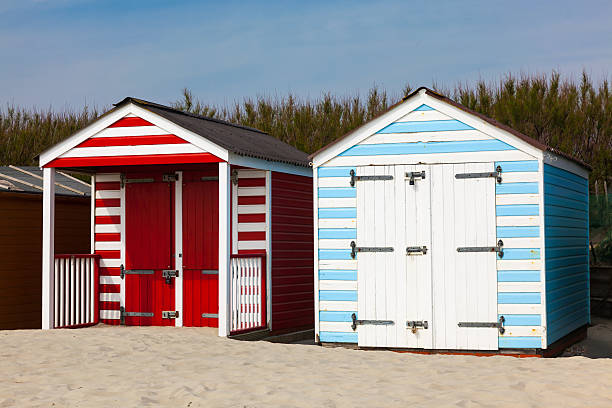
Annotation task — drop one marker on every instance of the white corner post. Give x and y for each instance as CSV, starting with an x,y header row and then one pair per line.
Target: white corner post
x,y
48,248
224,248
178,248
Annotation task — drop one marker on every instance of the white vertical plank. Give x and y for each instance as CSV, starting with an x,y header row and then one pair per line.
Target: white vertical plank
x,y
178,248
48,248
61,291
224,247
55,297
450,316
492,341
77,291
543,316
92,298
379,268
268,271
461,280
92,217
234,212
400,259
71,290
315,209
390,271
88,292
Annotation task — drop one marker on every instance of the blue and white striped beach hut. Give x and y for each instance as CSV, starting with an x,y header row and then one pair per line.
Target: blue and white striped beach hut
x,y
437,228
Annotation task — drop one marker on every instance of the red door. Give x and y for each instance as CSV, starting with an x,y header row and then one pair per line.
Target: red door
x,y
201,248
149,248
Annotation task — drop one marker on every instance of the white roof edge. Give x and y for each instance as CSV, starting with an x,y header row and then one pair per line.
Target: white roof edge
x,y
272,165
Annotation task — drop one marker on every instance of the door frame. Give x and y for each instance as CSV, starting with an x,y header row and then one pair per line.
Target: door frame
x,y
178,247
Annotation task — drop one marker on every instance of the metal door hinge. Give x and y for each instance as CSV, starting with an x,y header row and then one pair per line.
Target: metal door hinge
x,y
123,314
413,175
355,177
210,272
123,272
355,249
497,174
494,325
124,180
414,325
210,315
169,177
499,249
209,178
373,322
414,249
170,314
234,176
168,274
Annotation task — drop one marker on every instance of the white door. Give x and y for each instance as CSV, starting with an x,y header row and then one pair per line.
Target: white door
x,y
464,283
393,287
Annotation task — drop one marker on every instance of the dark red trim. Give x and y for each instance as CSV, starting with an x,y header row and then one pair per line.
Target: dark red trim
x,y
110,271
252,236
251,218
252,182
77,256
107,236
131,122
108,219
132,141
108,202
251,200
109,254
108,185
134,160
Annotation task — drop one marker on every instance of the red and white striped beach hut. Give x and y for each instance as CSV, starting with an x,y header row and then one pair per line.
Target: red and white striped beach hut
x,y
195,222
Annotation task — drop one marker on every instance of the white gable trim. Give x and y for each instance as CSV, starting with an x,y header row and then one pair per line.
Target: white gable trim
x,y
131,109
368,130
62,147
408,106
483,126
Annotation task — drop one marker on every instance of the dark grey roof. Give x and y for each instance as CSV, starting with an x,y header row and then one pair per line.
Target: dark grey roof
x,y
11,179
241,140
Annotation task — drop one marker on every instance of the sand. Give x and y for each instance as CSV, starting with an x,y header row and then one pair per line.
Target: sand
x,y
191,367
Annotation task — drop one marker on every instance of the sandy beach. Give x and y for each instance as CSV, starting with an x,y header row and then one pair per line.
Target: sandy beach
x,y
191,367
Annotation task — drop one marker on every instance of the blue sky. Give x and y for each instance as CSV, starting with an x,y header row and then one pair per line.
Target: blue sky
x,y
65,53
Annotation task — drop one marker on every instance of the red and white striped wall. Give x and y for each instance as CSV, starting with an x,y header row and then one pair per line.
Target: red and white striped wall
x,y
132,140
249,211
107,243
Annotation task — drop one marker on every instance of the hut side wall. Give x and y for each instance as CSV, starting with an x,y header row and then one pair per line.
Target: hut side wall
x,y
292,252
431,137
21,251
567,251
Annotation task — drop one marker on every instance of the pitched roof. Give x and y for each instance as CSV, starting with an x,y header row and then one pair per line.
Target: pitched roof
x,y
28,179
241,140
492,122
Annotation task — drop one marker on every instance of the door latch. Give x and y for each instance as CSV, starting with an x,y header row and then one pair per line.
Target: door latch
x,y
168,274
170,177
414,325
412,175
170,314
416,249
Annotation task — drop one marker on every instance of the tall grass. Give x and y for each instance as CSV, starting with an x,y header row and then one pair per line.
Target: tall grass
x,y
24,133
573,116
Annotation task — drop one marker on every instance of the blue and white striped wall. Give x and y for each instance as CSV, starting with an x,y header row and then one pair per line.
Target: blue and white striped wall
x,y
428,136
